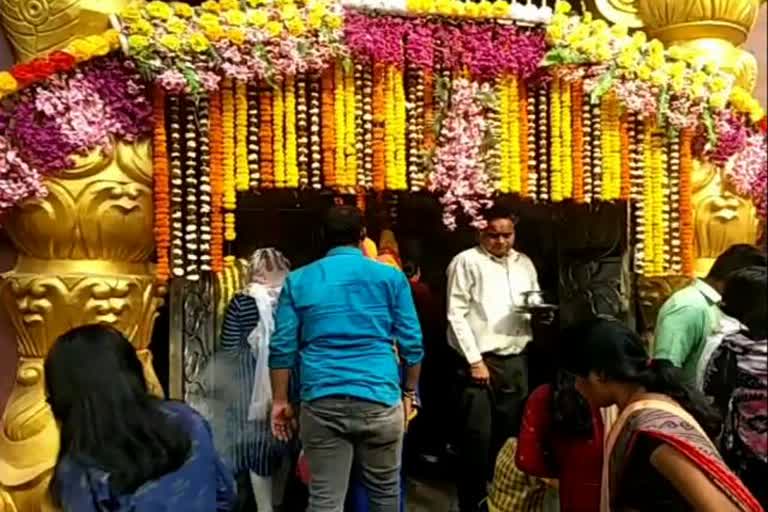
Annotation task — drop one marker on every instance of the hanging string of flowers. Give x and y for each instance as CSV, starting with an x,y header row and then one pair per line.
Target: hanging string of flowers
x,y
379,127
191,207
217,182
673,206
242,166
350,129
291,163
556,142
566,139
328,128
228,159
254,171
686,208
302,132
315,147
266,138
177,176
278,137
161,189
204,236
577,140
527,147
339,129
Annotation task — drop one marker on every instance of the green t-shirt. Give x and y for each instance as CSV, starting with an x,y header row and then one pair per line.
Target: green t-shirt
x,y
685,321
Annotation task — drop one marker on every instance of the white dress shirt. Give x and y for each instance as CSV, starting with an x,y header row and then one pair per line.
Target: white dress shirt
x,y
484,293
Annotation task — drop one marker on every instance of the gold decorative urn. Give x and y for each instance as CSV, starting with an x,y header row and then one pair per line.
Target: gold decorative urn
x,y
84,257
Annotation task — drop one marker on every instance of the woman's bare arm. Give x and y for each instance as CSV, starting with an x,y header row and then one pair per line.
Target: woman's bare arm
x,y
697,489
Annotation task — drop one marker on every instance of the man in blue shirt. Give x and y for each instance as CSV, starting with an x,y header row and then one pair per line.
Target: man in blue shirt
x,y
348,322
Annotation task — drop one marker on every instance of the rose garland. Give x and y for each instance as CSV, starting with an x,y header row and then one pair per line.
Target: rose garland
x,y
254,172
577,140
161,188
217,182
291,162
242,167
328,128
266,136
177,182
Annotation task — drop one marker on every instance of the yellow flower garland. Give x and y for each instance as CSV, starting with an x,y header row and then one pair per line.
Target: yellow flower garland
x,y
654,199
647,202
278,137
505,149
401,180
242,174
611,146
228,158
291,165
350,119
389,138
566,139
515,158
338,117
556,147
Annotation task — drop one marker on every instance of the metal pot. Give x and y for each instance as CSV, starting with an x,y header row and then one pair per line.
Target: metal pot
x,y
533,298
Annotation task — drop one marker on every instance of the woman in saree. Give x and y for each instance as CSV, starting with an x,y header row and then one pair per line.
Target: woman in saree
x,y
658,455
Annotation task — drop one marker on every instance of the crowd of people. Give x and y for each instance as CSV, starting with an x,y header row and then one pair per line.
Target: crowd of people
x,y
324,379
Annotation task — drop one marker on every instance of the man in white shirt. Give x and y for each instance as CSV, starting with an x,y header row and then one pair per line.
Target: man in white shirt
x,y
489,332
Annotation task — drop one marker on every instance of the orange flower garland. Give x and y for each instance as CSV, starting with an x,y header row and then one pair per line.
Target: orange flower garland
x,y
577,140
686,208
328,127
161,188
217,183
379,129
429,111
265,138
229,158
626,181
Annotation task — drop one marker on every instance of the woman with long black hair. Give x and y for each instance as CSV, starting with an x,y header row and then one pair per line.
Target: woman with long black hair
x,y
121,448
658,455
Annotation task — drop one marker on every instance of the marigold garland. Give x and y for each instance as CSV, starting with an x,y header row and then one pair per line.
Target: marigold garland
x,y
610,147
328,128
429,111
242,170
266,137
291,164
379,127
527,148
228,154
417,129
278,137
161,188
626,185
686,209
350,126
577,140
217,183
556,148
513,130
566,139
505,184
177,179
339,115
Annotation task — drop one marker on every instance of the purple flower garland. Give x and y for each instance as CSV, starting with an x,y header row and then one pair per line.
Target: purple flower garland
x,y
70,114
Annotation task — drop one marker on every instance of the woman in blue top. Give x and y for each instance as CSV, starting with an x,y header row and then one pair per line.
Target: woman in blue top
x,y
121,448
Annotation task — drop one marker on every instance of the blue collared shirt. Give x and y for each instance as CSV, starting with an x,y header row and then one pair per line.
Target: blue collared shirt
x,y
340,319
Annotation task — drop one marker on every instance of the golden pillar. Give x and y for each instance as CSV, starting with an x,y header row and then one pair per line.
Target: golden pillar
x,y
84,257
713,30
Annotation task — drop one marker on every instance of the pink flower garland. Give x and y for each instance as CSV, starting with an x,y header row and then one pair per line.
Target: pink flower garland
x,y
749,174
459,174
18,181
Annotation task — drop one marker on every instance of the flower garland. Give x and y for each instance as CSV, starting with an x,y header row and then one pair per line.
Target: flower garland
x,y
610,144
749,172
302,132
204,238
505,172
500,9
492,139
542,136
79,51
672,208
328,128
291,163
315,147
415,128
177,176
266,138
513,127
217,182
598,162
193,190
242,167
589,144
279,153
527,145
161,189
577,140
229,158
350,129
254,123
400,182
637,137
190,49
567,140
379,127
339,130
556,149
626,185
686,208
459,176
